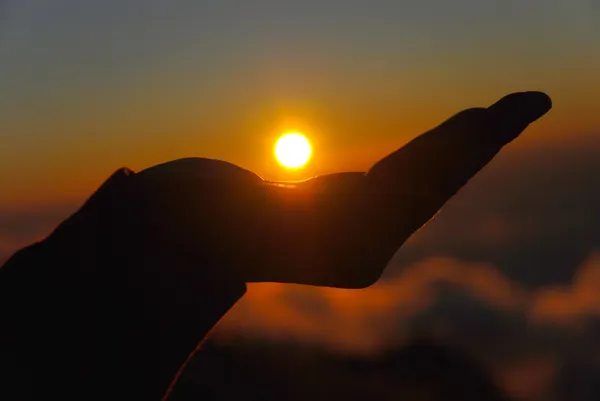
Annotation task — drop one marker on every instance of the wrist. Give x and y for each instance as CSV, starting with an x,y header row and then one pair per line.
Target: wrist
x,y
133,332
138,308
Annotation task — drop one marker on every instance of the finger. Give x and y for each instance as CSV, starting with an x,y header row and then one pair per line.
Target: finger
x,y
96,211
355,235
198,209
185,196
198,169
192,193
416,180
117,180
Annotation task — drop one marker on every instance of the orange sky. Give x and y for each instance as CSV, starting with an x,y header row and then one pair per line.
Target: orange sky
x,y
345,136
88,87
80,100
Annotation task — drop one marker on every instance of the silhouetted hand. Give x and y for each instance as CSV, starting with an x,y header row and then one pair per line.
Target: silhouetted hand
x,y
341,230
153,259
196,215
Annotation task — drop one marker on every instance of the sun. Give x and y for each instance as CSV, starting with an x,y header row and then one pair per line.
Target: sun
x,y
293,150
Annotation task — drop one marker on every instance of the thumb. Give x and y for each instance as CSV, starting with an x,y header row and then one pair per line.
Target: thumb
x,y
94,207
116,181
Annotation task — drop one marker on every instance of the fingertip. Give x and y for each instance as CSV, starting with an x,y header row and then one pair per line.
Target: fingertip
x,y
522,107
122,172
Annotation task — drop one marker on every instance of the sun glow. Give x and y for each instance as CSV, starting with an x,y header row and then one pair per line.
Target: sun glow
x,y
293,150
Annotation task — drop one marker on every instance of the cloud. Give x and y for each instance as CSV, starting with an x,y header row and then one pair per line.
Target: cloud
x,y
533,341
569,304
519,335
532,213
364,320
529,379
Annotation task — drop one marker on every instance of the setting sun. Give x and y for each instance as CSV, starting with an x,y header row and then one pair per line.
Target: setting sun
x,y
293,150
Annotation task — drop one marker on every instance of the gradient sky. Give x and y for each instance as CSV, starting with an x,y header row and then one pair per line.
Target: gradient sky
x,y
509,269
89,86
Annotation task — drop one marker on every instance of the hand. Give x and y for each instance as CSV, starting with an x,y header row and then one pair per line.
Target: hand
x,y
125,288
341,230
193,218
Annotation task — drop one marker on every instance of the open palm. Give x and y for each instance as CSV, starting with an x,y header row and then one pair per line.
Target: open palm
x,y
336,230
125,288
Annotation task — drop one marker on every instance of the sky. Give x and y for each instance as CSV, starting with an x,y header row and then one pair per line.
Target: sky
x,y
89,86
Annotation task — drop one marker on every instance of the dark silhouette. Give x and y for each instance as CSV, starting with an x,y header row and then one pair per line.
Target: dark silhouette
x,y
111,304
